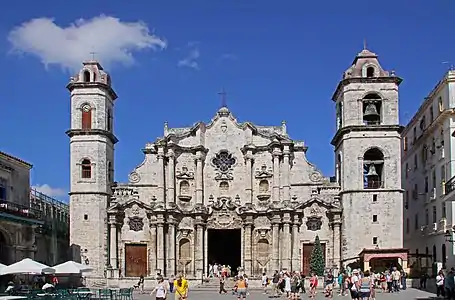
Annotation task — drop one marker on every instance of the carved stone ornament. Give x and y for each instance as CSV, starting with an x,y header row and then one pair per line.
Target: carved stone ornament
x,y
136,223
224,220
316,177
262,222
315,211
184,174
263,173
314,224
134,177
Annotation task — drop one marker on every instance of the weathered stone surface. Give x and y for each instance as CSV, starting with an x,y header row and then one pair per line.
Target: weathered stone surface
x,y
227,174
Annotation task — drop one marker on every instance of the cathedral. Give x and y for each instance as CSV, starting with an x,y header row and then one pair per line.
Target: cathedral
x,y
238,193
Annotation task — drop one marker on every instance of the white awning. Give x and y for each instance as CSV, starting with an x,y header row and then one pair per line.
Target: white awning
x,y
71,267
26,266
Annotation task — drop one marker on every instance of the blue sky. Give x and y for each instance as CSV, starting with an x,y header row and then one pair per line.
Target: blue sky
x,y
277,60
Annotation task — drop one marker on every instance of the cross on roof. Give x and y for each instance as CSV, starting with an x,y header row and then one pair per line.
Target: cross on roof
x,y
223,97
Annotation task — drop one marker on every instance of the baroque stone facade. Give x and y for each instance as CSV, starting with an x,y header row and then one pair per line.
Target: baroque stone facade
x,y
227,174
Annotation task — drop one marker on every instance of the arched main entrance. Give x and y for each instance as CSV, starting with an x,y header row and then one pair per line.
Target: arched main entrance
x,y
5,247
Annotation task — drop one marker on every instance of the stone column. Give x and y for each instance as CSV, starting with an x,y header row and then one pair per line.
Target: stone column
x,y
113,241
296,259
248,227
160,244
171,176
286,171
276,174
337,242
199,248
161,176
276,243
199,175
286,261
170,265
249,176
153,249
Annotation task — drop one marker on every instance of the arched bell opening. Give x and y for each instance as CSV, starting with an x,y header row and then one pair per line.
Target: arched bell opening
x,y
373,169
371,109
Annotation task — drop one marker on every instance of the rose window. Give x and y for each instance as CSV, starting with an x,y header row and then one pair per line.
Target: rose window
x,y
223,161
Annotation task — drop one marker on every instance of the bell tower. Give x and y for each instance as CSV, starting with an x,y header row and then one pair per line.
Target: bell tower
x,y
368,157
92,143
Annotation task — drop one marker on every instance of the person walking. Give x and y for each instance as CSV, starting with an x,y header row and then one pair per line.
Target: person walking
x,y
160,290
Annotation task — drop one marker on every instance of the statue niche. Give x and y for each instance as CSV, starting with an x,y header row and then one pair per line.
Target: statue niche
x,y
184,178
135,224
185,238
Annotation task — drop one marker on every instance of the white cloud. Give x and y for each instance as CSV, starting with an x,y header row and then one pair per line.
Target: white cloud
x,y
190,61
228,56
112,40
49,191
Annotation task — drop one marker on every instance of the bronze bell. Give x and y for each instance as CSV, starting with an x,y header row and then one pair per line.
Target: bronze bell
x,y
371,113
372,171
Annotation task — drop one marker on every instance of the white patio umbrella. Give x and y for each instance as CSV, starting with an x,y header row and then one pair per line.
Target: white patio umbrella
x,y
26,266
71,267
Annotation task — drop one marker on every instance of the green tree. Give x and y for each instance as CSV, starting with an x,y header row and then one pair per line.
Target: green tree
x,y
317,263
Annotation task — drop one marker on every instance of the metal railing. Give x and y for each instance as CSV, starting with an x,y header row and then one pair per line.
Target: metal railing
x,y
450,185
21,210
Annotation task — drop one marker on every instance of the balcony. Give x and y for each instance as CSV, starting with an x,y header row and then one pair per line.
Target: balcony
x,y
450,185
18,211
373,184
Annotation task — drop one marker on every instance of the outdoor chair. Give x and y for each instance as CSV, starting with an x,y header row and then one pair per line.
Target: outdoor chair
x,y
125,294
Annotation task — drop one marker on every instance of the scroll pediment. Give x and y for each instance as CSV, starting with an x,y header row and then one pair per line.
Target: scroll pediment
x,y
263,173
184,174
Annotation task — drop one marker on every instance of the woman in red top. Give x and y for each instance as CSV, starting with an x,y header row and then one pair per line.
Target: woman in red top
x,y
313,285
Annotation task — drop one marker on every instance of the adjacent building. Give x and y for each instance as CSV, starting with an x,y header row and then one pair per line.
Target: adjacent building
x,y
31,224
235,192
428,170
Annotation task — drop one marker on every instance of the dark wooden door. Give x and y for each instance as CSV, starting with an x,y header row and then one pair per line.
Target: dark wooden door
x,y
306,256
135,260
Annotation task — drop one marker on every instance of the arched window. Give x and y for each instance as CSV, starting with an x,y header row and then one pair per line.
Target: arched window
x,y
86,117
184,188
440,104
86,75
86,169
370,72
109,172
373,165
109,120
224,188
264,186
372,107
338,167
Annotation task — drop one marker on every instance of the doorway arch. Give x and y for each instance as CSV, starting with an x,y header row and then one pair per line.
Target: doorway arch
x,y
5,248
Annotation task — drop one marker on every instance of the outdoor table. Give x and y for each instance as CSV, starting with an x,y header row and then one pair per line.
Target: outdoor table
x,y
12,297
46,295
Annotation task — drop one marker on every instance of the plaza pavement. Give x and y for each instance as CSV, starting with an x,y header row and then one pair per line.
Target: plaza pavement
x,y
409,294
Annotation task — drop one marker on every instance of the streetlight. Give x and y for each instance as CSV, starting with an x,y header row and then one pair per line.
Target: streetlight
x,y
449,237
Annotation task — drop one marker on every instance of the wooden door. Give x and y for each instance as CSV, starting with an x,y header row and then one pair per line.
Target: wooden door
x,y
306,256
135,260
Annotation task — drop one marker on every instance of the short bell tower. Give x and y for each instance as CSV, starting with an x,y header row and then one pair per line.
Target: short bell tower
x,y
368,157
92,143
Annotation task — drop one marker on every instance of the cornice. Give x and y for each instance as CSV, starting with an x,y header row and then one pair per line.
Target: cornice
x,y
365,128
81,132
390,79
87,85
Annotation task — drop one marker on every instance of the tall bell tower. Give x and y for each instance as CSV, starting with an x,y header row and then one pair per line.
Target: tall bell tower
x,y
368,157
92,143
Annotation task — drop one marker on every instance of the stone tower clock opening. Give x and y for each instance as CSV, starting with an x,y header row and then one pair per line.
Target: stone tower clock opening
x,y
224,247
